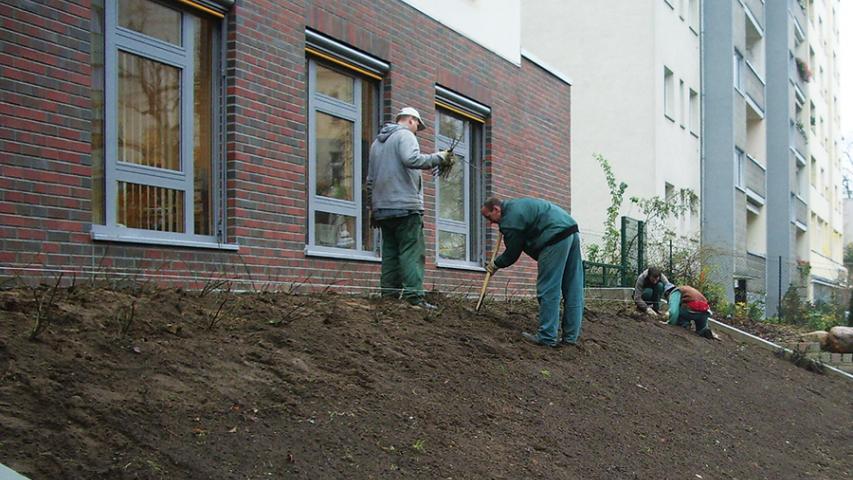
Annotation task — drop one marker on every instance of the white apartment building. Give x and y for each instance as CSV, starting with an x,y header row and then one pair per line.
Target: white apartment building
x,y
821,52
635,98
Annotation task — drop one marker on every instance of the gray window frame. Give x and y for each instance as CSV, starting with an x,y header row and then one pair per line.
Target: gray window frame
x,y
118,39
318,102
465,160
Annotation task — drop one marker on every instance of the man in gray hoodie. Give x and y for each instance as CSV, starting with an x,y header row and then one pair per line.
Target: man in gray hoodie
x,y
395,187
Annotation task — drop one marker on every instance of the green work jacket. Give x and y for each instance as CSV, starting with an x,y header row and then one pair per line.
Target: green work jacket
x,y
528,225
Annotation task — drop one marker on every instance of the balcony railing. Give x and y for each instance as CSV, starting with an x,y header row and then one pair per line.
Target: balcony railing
x,y
801,210
756,267
754,86
798,13
755,177
798,140
756,7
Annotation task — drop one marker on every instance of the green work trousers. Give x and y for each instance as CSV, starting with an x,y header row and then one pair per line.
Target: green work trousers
x,y
683,317
403,255
560,277
652,295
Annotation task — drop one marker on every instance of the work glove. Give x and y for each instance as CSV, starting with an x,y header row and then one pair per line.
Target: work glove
x,y
445,165
491,267
651,312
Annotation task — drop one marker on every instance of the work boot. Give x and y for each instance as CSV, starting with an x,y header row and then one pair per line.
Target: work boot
x,y
706,333
423,304
534,339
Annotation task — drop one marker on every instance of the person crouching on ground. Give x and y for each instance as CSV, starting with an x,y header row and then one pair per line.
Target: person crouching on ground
x,y
687,305
549,235
648,291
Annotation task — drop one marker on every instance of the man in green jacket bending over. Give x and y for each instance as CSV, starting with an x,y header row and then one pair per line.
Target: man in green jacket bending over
x,y
550,236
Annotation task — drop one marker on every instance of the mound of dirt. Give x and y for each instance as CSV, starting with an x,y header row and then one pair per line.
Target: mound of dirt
x,y
166,384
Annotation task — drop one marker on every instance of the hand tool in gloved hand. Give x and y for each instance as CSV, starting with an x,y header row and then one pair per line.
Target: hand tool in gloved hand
x,y
488,274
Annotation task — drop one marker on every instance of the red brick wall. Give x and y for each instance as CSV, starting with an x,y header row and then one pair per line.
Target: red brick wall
x,y
45,181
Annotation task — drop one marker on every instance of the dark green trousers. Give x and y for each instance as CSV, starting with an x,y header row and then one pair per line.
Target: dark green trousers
x,y
652,296
403,256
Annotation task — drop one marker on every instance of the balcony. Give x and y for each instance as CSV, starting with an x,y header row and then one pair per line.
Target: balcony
x,y
798,140
756,267
800,212
798,13
754,88
756,180
756,10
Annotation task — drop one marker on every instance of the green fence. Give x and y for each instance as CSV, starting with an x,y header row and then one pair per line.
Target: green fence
x,y
632,249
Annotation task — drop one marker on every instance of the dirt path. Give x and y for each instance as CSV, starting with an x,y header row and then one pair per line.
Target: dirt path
x,y
333,387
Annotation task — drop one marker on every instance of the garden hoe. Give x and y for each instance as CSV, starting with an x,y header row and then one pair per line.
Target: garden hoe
x,y
489,275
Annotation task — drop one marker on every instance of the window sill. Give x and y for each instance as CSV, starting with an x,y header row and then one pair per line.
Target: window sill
x,y
669,118
473,267
132,235
340,254
694,133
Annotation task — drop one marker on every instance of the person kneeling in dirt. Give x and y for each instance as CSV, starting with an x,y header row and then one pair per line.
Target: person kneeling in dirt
x,y
549,235
686,305
648,291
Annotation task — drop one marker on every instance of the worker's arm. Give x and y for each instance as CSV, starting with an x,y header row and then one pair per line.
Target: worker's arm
x,y
674,307
514,242
410,153
638,293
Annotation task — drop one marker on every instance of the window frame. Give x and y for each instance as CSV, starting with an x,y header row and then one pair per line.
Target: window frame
x,y
470,225
474,116
318,102
668,91
119,39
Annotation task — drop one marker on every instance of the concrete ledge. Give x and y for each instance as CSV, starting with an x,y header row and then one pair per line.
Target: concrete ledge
x,y
617,293
750,338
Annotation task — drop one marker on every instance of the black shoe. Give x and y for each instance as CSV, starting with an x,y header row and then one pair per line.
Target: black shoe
x,y
706,333
568,342
534,339
423,304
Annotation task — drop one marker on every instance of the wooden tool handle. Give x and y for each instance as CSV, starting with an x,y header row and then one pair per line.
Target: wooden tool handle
x,y
488,274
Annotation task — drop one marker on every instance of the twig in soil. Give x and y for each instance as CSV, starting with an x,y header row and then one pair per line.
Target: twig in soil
x,y
210,285
215,317
42,311
296,286
125,319
248,272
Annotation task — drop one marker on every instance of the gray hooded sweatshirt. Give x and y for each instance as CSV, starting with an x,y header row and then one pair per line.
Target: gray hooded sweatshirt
x,y
394,177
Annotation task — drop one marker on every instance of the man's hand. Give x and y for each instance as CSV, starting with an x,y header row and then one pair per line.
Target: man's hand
x,y
491,267
445,165
651,312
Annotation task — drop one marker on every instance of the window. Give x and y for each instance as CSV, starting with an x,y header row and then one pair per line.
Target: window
x,y
813,173
682,107
694,16
694,112
738,71
343,112
668,94
343,120
739,157
459,230
157,103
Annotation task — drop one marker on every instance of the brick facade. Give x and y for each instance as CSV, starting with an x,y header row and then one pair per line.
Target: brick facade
x,y
45,138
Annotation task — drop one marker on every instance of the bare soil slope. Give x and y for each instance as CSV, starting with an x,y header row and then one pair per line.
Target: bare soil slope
x,y
327,387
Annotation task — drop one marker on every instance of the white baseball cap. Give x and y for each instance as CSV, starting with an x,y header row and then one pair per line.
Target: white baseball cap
x,y
412,113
